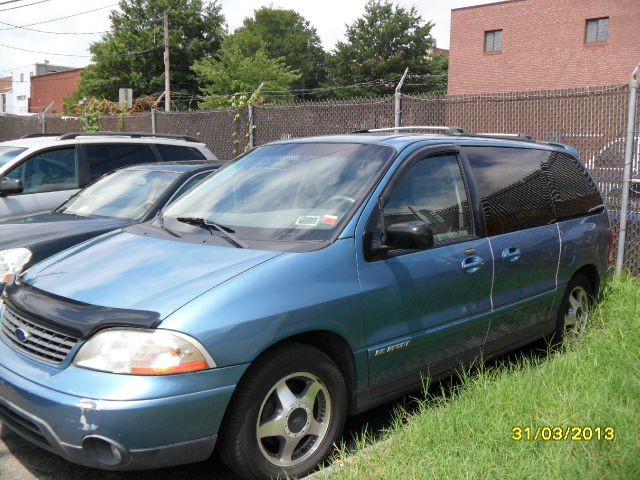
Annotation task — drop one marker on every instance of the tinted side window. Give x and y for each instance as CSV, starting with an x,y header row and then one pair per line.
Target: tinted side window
x,y
106,157
48,171
514,185
432,191
576,192
175,153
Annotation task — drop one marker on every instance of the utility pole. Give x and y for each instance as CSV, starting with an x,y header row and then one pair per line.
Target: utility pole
x,y
167,81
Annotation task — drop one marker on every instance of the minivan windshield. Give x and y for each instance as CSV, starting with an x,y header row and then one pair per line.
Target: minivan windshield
x,y
286,192
9,153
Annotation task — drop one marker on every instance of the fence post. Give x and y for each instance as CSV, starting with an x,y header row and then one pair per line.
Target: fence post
x,y
251,124
254,95
398,101
153,121
43,117
628,154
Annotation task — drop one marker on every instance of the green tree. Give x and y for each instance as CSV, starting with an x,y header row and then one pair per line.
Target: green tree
x,y
380,45
287,34
234,72
131,54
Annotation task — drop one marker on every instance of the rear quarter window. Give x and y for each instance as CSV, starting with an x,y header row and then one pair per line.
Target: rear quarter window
x,y
576,193
176,153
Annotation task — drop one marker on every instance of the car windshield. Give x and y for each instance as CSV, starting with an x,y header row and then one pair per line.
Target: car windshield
x,y
128,193
9,153
286,192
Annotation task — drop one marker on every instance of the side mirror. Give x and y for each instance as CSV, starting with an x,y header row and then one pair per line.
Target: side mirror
x,y
10,187
415,235
410,235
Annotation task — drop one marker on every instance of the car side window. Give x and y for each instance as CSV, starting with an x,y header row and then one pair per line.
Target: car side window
x,y
48,171
176,153
103,158
433,191
515,187
576,193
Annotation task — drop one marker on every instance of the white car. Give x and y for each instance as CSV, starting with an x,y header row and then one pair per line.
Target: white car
x,y
608,164
37,173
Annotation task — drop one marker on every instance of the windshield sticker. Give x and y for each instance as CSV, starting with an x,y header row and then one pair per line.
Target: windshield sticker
x,y
307,220
329,220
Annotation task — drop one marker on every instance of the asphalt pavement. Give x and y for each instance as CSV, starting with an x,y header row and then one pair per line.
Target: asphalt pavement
x,y
21,460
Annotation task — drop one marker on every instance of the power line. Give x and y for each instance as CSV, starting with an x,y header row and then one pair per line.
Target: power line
x,y
10,1
60,18
22,6
49,31
45,53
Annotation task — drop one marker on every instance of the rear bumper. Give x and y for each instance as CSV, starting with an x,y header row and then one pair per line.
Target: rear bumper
x,y
114,435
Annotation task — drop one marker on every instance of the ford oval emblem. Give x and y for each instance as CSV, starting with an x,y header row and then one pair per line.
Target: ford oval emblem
x,y
22,335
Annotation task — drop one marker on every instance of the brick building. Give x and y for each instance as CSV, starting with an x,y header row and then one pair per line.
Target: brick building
x,y
522,45
52,87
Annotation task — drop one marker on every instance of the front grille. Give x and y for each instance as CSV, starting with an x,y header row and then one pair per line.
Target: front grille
x,y
36,340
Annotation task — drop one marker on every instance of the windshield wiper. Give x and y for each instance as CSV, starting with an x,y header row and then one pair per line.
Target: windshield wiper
x,y
160,219
227,233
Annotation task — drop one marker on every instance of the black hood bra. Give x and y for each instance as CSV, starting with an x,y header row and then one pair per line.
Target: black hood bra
x,y
76,318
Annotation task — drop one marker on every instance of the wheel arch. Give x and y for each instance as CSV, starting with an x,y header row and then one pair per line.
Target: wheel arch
x,y
334,346
591,272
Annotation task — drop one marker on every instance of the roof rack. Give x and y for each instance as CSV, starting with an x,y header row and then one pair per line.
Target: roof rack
x,y
511,136
36,135
71,136
439,128
452,130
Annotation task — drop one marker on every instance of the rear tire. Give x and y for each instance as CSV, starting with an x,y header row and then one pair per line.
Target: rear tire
x,y
285,415
573,313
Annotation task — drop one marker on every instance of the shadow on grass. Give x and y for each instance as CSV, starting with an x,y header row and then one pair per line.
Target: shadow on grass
x,y
373,425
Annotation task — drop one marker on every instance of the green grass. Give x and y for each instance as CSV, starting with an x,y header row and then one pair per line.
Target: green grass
x,y
466,433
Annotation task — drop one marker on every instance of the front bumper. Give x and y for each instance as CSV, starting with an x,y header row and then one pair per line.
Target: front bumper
x,y
113,434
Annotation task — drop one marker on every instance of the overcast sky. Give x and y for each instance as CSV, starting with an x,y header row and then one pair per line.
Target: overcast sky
x,y
327,16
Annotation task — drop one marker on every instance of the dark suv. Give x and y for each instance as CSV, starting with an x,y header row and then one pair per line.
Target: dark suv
x,y
307,280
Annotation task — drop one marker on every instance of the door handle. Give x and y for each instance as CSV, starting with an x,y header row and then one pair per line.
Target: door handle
x,y
472,264
511,254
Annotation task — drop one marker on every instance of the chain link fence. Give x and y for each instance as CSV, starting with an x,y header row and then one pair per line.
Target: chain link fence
x,y
593,120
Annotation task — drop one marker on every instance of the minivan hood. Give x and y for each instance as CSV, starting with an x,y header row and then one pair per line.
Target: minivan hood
x,y
129,271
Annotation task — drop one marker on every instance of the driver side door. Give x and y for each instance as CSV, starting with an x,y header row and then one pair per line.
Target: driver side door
x,y
425,311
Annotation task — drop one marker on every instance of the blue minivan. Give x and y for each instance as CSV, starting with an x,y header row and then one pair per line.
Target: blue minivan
x,y
307,280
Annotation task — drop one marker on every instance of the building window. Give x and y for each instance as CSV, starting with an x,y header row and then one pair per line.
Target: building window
x,y
21,97
22,77
597,30
493,41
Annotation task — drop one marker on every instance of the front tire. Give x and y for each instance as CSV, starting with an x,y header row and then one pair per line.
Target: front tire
x,y
286,414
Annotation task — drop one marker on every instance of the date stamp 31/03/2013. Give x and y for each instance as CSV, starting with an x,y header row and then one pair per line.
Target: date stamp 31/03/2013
x,y
570,433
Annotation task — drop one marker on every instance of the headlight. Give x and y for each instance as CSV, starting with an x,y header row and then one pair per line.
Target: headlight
x,y
143,352
12,261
